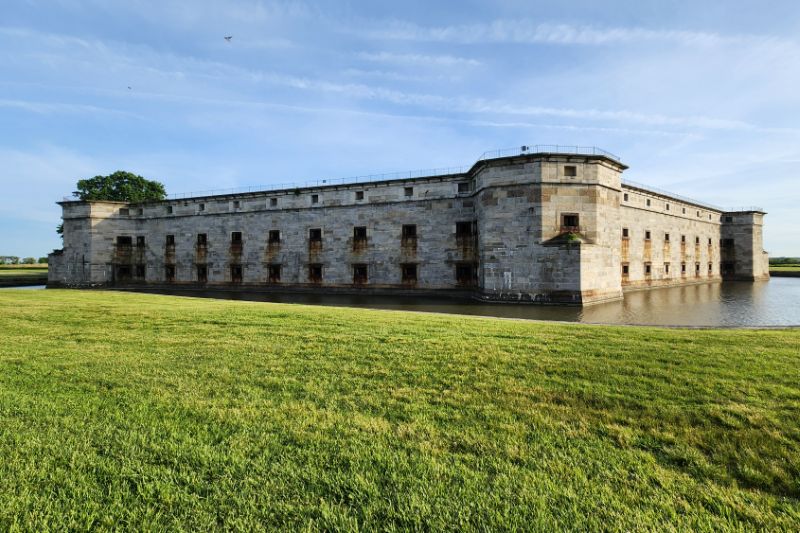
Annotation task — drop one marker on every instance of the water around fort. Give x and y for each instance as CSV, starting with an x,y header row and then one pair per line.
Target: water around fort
x,y
767,303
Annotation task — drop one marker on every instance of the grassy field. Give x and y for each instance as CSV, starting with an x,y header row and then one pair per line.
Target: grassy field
x,y
156,412
784,268
22,271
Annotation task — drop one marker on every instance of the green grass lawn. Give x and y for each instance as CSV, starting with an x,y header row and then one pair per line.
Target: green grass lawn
x,y
6,272
785,268
161,413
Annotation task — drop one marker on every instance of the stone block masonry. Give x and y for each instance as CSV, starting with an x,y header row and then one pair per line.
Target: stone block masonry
x,y
540,227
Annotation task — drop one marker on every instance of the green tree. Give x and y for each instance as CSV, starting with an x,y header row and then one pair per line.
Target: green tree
x,y
121,186
43,260
29,261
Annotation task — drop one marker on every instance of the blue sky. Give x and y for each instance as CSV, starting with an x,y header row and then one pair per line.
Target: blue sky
x,y
699,98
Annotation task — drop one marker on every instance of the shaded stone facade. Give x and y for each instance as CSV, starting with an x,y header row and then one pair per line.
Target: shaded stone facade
x,y
535,227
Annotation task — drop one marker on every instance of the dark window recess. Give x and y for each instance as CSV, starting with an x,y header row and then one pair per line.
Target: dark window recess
x,y
625,233
274,273
202,273
570,171
647,235
409,231
408,191
683,268
408,273
124,211
684,211
648,202
710,267
202,239
666,237
236,273
647,269
140,211
140,241
466,274
666,268
683,239
697,268
667,206
273,202
464,187
124,242
140,271
625,269
236,237
625,197
570,222
697,240
698,213
464,229
315,198
728,219
274,236
709,241
359,195
315,235
360,234
236,204
201,207
169,209
123,273
170,240
359,273
315,273
169,272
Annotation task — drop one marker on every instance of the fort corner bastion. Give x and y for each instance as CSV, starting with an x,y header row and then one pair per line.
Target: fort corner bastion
x,y
534,224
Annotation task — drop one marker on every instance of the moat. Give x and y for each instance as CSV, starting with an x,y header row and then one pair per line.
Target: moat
x,y
767,303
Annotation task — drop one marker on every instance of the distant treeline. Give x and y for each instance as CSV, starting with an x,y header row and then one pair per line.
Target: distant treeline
x,y
784,260
14,260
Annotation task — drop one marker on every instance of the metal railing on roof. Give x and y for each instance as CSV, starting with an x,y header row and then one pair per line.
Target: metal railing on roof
x,y
371,178
547,149
686,199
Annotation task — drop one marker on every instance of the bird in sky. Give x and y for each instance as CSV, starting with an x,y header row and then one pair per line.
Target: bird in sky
x,y
228,38
129,87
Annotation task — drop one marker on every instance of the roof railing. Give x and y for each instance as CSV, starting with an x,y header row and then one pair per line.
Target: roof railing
x,y
686,199
547,149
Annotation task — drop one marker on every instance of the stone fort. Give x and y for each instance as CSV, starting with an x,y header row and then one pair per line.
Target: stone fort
x,y
533,224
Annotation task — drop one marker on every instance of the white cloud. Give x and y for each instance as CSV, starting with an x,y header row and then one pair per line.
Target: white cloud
x,y
419,59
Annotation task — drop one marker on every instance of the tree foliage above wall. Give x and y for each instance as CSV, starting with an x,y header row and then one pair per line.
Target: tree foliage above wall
x,y
121,186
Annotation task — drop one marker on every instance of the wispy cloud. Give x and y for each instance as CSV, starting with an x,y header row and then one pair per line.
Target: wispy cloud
x,y
419,59
527,31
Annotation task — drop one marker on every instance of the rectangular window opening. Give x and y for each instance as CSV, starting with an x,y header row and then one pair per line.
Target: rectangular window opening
x,y
201,207
315,235
464,187
359,274
625,269
236,237
140,241
202,239
570,171
408,273
570,222
359,195
124,242
625,233
464,229
648,202
274,273
170,240
140,271
360,233
169,273
647,235
408,191
202,273
466,274
236,273
666,237
273,202
169,209
124,211
315,198
315,273
274,236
